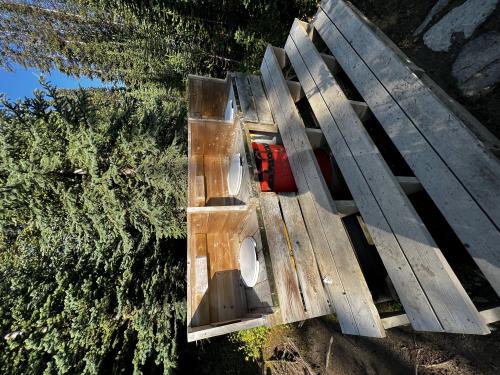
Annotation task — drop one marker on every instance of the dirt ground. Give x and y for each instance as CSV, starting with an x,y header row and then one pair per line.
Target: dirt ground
x,y
403,351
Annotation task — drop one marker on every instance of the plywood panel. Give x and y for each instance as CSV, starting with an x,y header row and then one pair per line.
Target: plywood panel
x,y
216,169
195,169
210,137
199,281
225,298
207,97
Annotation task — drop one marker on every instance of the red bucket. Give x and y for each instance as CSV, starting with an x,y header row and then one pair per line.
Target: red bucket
x,y
274,169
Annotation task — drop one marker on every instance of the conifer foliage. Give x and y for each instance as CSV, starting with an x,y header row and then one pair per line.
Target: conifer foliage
x,y
92,197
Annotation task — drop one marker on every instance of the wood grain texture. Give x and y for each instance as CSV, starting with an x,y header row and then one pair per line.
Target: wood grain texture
x,y
204,332
462,212
245,96
211,138
262,106
477,169
200,304
428,288
290,301
349,293
311,285
207,97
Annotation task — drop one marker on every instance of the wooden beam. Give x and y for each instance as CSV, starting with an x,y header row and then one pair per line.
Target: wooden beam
x,y
461,211
477,169
490,316
244,94
266,128
428,288
290,301
336,260
207,331
311,285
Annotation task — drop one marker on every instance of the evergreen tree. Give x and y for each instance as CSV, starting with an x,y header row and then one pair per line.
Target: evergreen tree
x,y
82,40
92,197
137,42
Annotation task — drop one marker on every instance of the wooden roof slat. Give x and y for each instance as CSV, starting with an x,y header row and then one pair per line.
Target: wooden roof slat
x,y
315,297
432,295
348,281
462,212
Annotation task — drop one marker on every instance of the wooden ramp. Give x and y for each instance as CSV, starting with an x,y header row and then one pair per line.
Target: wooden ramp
x,y
329,248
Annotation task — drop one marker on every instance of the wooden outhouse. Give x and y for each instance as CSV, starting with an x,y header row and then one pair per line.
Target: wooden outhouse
x,y
410,209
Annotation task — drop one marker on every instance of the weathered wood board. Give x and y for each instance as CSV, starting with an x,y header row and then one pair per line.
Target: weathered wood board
x,y
431,293
466,217
351,297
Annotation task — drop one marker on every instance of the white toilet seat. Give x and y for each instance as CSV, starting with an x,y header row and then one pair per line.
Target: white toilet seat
x,y
249,264
234,175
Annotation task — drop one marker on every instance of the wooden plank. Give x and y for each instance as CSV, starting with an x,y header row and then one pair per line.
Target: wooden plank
x,y
212,280
315,298
197,145
346,207
336,259
227,284
291,307
261,104
428,288
489,316
216,180
266,128
195,169
199,191
239,289
200,304
315,137
211,137
217,222
246,102
410,185
361,109
195,87
467,219
198,222
477,169
204,332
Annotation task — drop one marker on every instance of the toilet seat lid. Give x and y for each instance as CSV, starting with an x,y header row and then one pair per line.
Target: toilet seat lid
x,y
249,265
234,175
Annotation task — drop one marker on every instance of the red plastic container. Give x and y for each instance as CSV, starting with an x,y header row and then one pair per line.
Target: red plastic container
x,y
276,174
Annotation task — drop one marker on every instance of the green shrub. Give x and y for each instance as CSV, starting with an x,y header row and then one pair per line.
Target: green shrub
x,y
251,341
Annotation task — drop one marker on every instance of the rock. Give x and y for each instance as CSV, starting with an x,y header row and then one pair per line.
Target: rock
x,y
438,7
463,19
477,67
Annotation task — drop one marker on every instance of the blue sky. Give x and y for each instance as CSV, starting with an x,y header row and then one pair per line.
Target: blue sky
x,y
22,82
